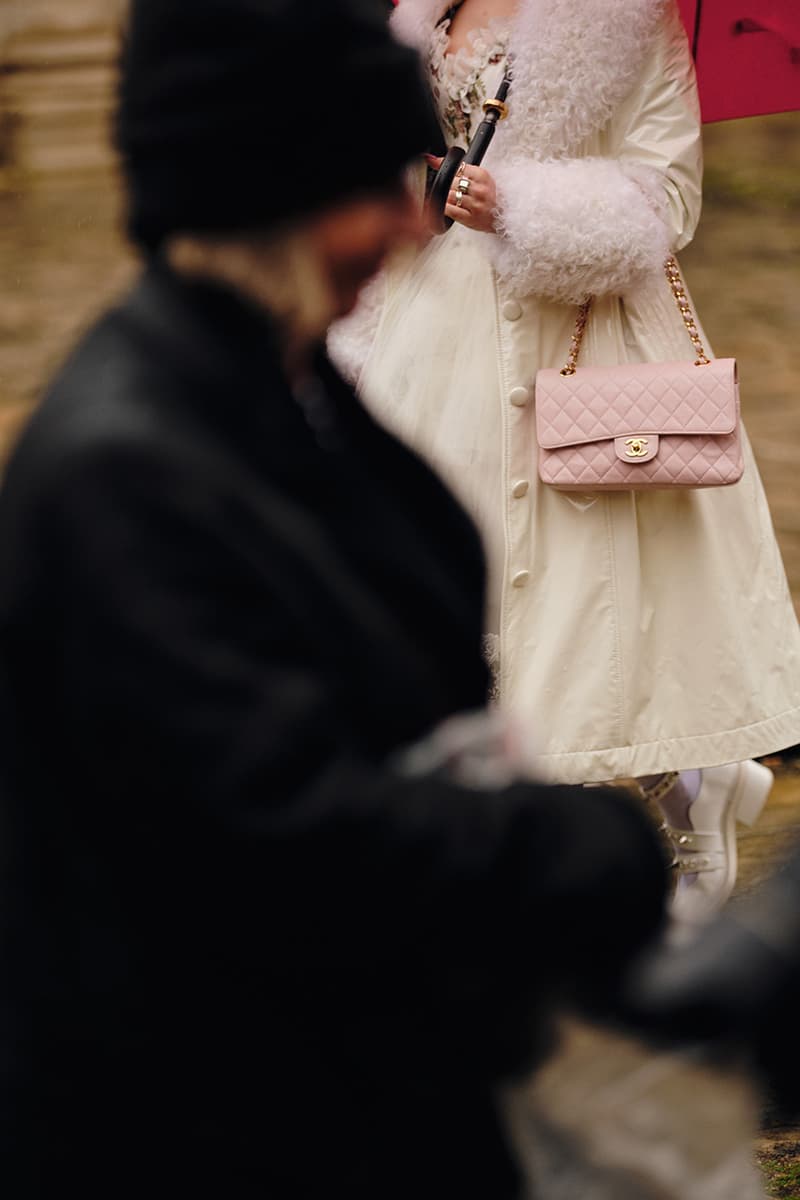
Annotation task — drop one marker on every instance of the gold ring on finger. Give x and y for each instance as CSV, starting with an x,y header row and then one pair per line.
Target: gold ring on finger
x,y
459,199
460,170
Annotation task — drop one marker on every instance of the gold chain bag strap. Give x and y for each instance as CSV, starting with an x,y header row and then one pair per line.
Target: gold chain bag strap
x,y
640,425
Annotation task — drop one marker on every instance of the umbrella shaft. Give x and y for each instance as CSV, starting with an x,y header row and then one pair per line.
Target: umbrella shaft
x,y
481,142
486,130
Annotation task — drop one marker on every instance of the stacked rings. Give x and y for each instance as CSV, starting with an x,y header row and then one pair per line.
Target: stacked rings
x,y
462,190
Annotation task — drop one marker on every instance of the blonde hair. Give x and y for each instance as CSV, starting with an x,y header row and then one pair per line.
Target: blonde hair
x,y
281,272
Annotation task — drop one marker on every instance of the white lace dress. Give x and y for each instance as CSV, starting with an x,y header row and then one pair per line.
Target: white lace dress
x,y
461,82
461,447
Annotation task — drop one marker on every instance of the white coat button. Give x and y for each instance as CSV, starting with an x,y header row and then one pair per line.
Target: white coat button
x,y
512,310
521,579
520,489
519,396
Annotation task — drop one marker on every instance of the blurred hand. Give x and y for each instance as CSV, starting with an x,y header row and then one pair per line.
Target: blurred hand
x,y
478,207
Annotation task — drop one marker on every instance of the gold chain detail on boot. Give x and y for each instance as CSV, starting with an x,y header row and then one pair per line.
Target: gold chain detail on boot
x,y
657,791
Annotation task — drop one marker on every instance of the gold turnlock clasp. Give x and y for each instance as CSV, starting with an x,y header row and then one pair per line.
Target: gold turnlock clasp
x,y
498,106
637,447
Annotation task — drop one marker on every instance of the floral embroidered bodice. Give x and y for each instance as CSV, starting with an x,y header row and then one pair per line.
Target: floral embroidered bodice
x,y
461,82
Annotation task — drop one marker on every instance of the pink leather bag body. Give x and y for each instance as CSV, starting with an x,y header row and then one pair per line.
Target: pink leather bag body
x,y
640,426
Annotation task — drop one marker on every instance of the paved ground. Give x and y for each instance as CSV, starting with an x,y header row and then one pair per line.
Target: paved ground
x,y
777,829
744,270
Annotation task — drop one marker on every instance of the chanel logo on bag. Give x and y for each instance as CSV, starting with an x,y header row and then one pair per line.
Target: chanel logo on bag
x,y
637,447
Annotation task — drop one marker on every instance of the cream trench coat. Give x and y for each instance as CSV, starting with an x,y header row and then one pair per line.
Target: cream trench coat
x,y
633,633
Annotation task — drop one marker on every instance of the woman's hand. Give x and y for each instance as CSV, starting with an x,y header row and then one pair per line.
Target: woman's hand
x,y
473,198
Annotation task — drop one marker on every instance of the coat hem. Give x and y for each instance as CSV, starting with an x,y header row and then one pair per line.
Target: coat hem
x,y
673,754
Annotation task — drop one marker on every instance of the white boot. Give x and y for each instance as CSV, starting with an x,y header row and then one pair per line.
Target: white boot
x,y
705,854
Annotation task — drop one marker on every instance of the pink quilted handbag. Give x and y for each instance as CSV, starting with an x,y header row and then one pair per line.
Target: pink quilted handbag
x,y
640,425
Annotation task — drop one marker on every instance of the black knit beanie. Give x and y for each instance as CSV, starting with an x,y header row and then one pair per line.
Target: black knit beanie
x,y
237,115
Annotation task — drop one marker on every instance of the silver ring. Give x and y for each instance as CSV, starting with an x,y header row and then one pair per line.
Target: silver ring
x,y
464,185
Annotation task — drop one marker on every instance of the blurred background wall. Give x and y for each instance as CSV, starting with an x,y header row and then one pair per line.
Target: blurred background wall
x,y
62,256
56,82
61,253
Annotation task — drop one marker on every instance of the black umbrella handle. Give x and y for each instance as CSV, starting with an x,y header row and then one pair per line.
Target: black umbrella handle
x,y
494,111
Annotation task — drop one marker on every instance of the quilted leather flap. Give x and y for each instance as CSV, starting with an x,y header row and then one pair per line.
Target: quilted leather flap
x,y
634,399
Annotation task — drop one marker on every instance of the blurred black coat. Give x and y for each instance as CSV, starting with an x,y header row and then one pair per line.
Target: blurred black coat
x,y
241,956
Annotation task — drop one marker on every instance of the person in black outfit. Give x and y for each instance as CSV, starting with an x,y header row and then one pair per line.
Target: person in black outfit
x,y
245,953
